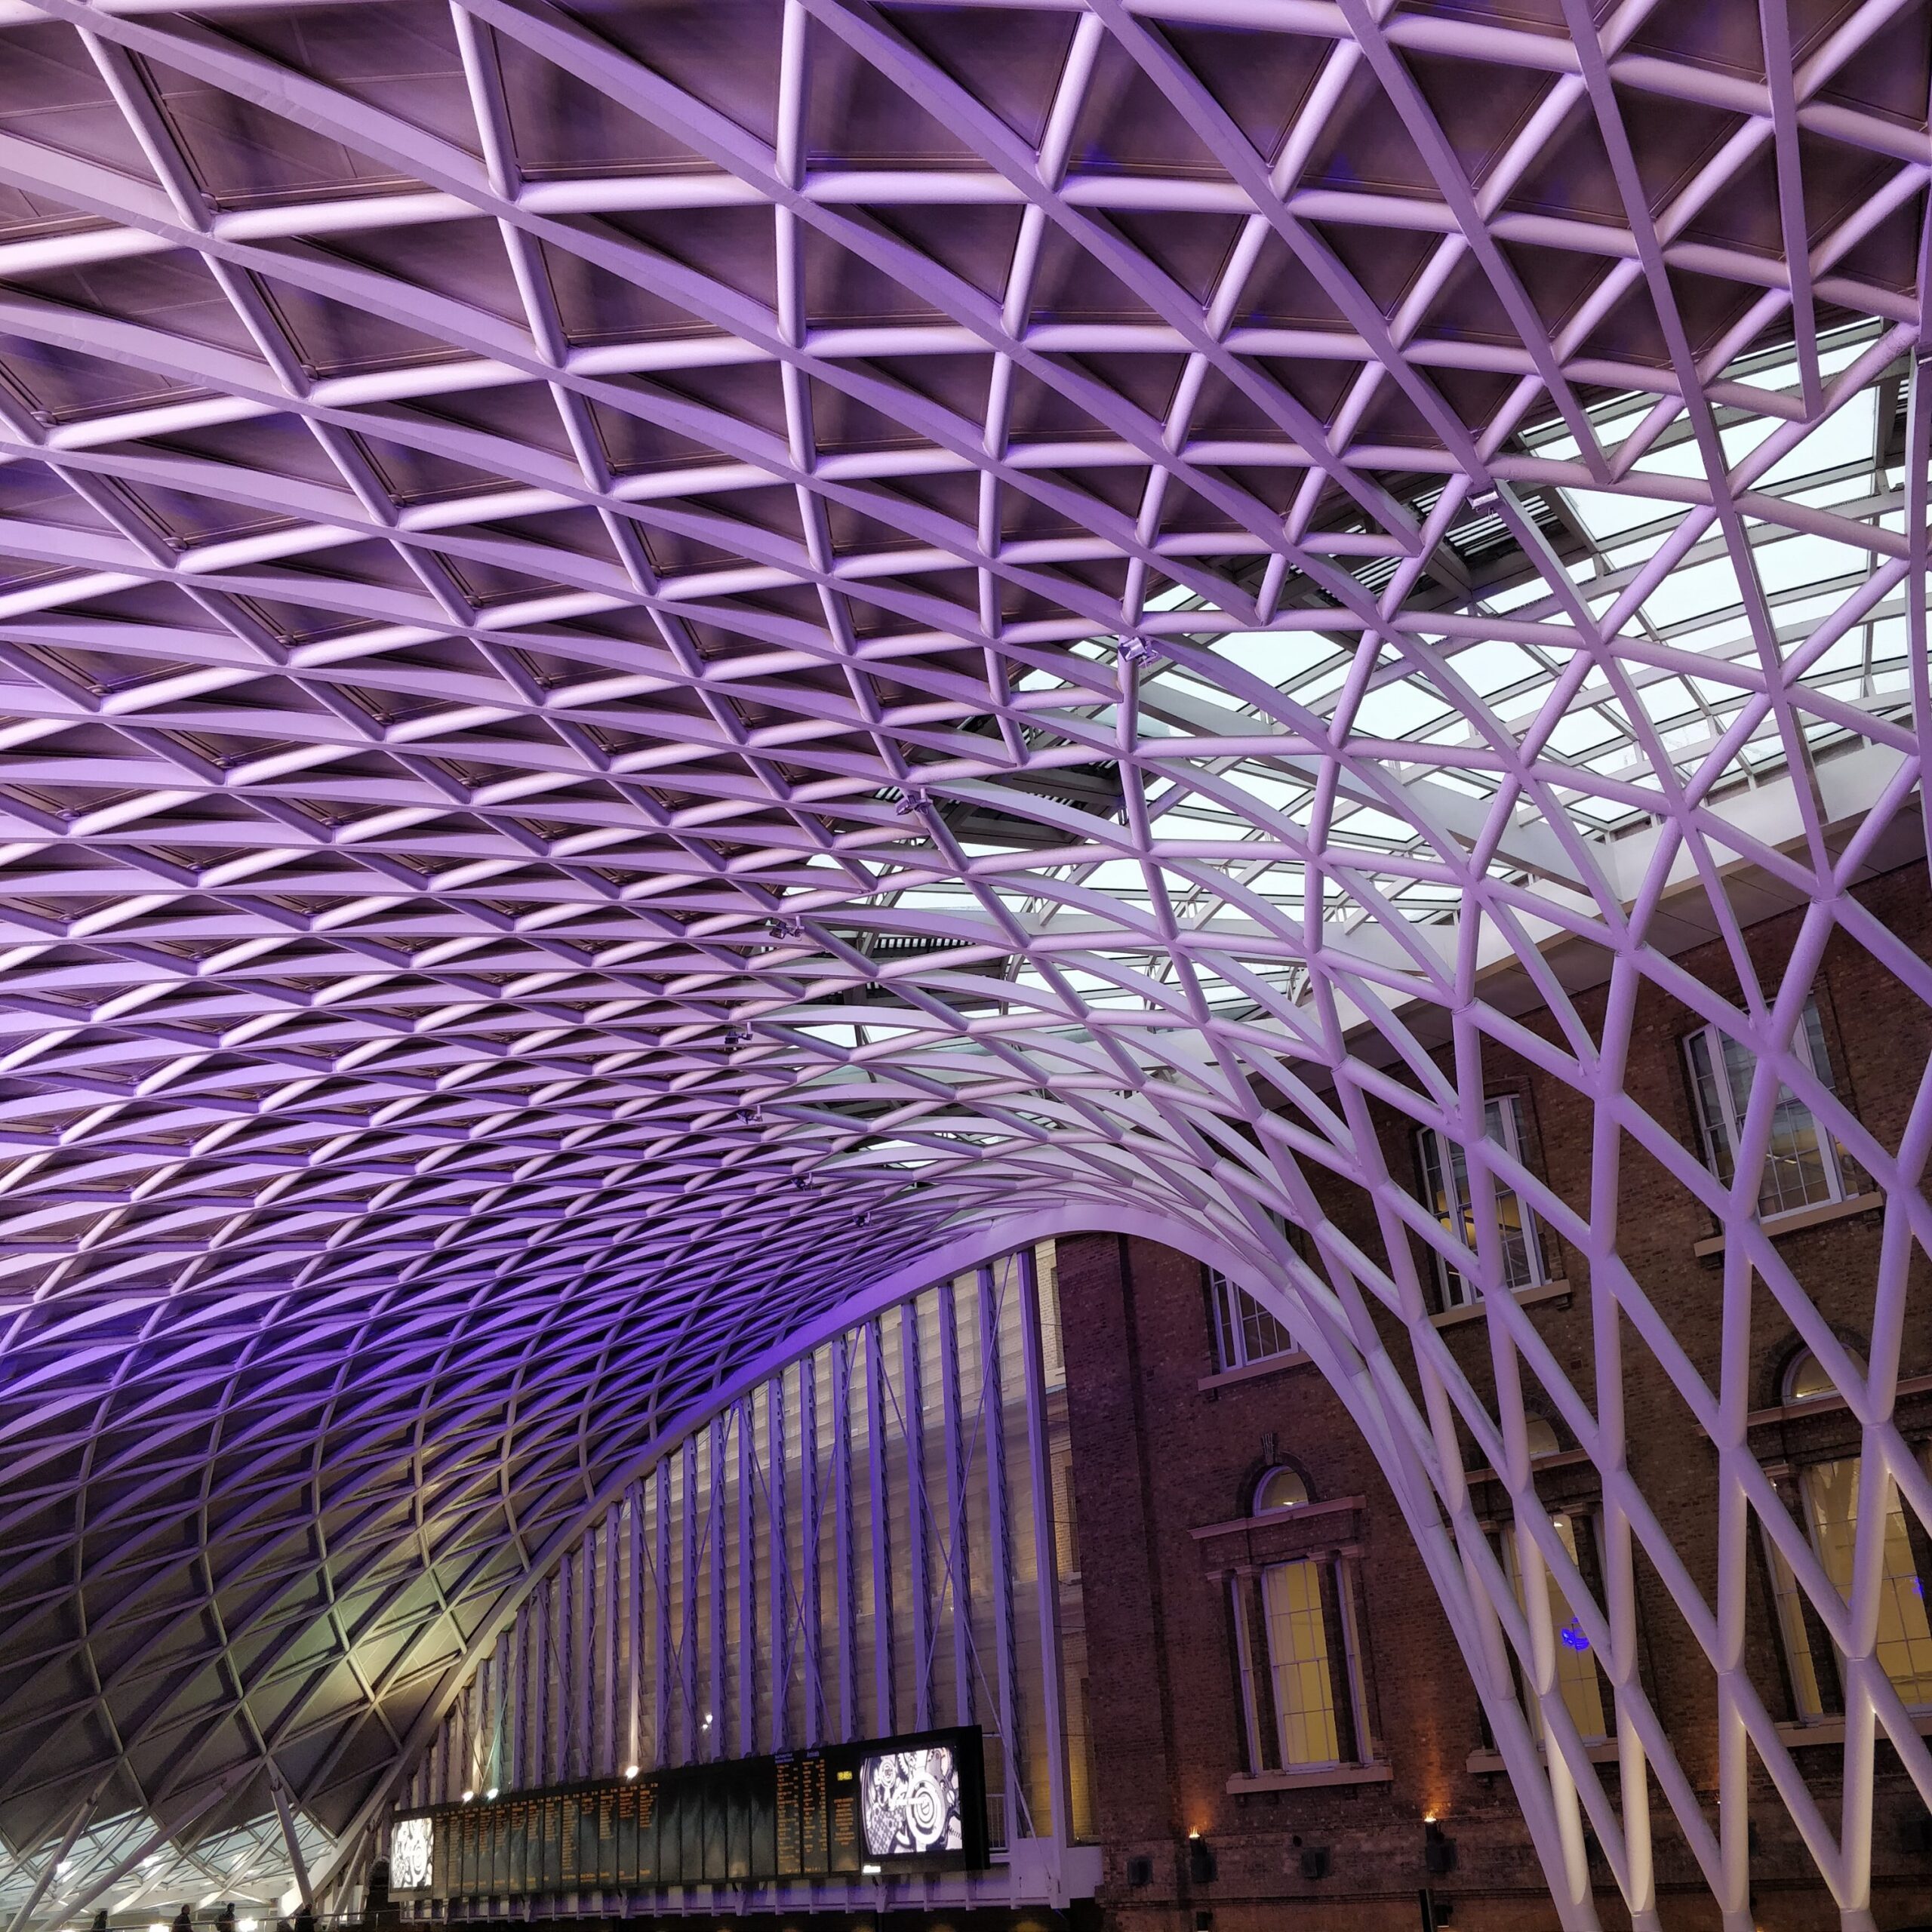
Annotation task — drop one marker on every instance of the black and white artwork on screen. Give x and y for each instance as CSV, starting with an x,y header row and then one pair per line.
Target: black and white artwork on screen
x,y
911,1802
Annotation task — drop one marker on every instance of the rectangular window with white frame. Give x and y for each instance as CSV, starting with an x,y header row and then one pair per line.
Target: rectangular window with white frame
x,y
1244,1332
1302,1696
1579,1681
1445,1181
1828,1493
1804,1167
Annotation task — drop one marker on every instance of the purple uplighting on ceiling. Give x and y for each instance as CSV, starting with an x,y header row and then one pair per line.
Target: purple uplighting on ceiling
x,y
658,660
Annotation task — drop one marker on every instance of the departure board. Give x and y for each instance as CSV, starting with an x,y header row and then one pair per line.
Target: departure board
x,y
900,1804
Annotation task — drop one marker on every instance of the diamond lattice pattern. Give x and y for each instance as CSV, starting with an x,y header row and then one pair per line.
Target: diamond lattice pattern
x,y
656,654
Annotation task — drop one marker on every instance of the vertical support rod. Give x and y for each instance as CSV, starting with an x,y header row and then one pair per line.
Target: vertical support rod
x,y
992,1425
583,1649
1046,1551
634,1624
808,1541
879,1496
747,1590
958,1569
844,1609
661,1583
539,1688
716,1743
501,1773
778,1564
690,1746
606,1765
519,1687
919,1512
557,1679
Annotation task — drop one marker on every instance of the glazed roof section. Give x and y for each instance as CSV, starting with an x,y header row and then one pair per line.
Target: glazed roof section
x,y
648,649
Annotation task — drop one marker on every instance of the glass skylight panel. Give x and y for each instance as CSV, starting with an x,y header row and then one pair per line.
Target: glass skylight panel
x,y
1701,590
1846,436
1604,516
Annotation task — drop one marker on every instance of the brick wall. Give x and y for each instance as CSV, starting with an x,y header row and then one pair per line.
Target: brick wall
x,y
1156,1457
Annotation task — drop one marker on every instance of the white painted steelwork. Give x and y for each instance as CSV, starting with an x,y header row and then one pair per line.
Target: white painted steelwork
x,y
663,665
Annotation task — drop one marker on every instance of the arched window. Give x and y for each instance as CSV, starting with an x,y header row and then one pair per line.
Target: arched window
x,y
1542,1438
1279,1489
1805,1379
1303,1699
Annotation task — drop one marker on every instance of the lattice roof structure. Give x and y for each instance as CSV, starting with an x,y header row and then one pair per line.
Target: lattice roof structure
x,y
660,656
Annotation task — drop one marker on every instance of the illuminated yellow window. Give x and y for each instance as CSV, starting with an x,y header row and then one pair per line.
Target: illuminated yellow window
x,y
1904,1637
1577,1679
1298,1661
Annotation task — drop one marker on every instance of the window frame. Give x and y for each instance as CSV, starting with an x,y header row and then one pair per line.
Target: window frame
x,y
1710,1085
1805,1640
1586,1531
1231,1311
1435,1166
1333,1574
1257,1508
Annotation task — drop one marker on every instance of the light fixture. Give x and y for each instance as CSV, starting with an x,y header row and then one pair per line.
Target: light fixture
x,y
491,1792
468,1795
630,1770
248,1925
1439,1852
869,1871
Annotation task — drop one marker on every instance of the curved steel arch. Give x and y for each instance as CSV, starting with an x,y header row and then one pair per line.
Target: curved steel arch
x,y
1363,1380
641,674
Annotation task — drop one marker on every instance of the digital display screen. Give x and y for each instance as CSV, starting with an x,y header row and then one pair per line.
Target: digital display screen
x,y
826,1811
411,1854
911,1802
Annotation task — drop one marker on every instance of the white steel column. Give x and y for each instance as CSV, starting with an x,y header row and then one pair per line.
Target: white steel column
x,y
999,1581
715,1728
957,1560
606,1764
1046,1554
879,1494
519,1757
689,1744
844,1613
634,1622
777,1566
560,1598
582,1639
747,1725
665,1653
810,1600
918,1511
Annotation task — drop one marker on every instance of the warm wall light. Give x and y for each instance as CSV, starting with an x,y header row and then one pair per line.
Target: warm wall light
x,y
467,1796
630,1770
1439,1851
491,1792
